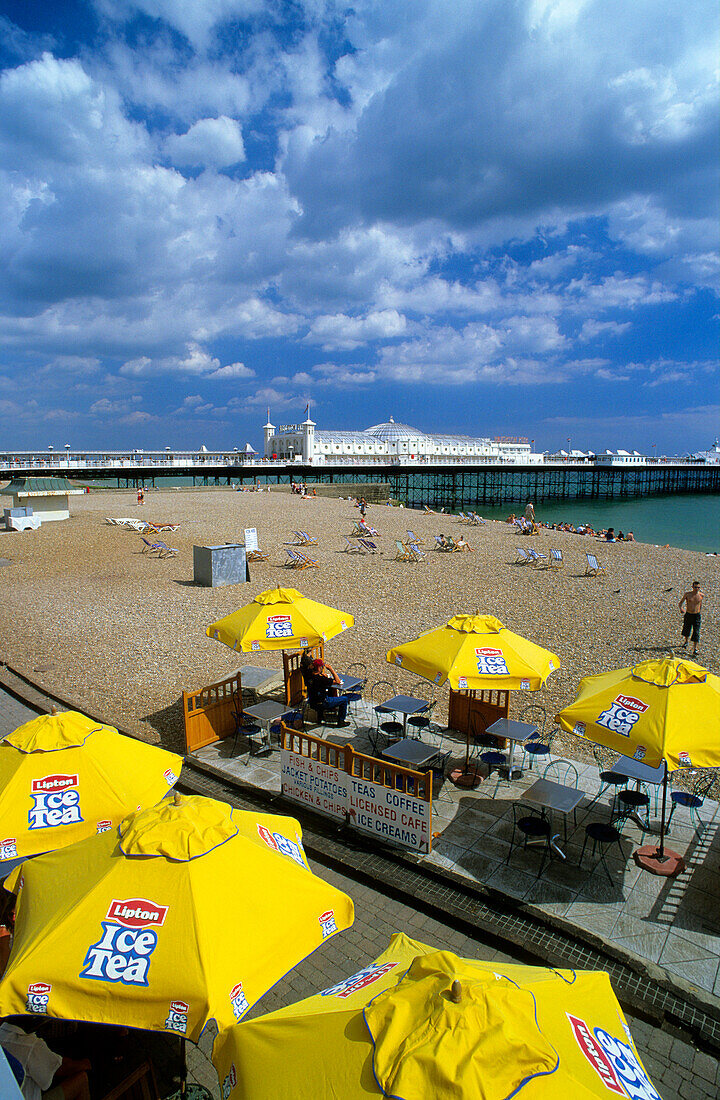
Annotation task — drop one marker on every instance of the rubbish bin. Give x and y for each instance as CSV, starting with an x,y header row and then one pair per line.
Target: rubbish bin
x,y
214,566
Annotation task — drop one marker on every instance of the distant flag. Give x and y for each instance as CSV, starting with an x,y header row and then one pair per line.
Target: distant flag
x,y
307,409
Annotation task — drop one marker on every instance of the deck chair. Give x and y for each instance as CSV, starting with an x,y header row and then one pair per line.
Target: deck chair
x,y
593,567
353,547
257,555
357,531
451,545
536,559
151,547
416,554
292,558
369,545
167,551
304,562
441,543
403,552
556,559
413,540
523,556
463,518
163,527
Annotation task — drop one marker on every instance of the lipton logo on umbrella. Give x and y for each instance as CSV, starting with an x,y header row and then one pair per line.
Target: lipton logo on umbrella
x,y
55,801
279,626
367,976
38,995
280,843
327,923
8,848
615,1062
622,714
123,952
103,826
595,1055
170,777
230,1082
239,1001
491,662
178,1017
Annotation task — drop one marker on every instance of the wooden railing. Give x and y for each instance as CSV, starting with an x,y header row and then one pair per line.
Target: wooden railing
x,y
209,713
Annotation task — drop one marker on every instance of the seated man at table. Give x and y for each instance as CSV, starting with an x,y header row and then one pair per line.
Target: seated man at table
x,y
321,692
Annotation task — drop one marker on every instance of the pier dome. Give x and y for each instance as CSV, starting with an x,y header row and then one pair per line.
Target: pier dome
x,y
391,431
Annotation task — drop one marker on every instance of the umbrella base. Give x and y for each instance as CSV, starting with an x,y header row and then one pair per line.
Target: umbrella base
x,y
468,779
669,865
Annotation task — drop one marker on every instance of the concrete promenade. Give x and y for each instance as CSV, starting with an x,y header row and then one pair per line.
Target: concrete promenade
x,y
677,1068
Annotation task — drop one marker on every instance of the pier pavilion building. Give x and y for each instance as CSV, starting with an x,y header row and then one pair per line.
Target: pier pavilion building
x,y
388,443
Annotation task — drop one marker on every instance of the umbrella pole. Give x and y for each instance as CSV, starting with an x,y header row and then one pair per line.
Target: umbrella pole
x,y
661,849
183,1072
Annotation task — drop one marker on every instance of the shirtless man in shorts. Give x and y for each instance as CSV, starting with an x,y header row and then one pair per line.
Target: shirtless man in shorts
x,y
691,621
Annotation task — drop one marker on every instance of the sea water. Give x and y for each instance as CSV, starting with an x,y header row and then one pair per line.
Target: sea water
x,y
690,521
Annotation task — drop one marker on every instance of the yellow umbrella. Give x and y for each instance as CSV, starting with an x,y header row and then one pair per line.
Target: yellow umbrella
x,y
192,914
430,1025
666,710
476,651
658,710
64,777
281,618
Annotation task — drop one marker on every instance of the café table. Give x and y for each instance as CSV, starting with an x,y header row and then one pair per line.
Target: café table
x,y
556,797
350,683
266,712
259,680
641,773
405,705
515,732
411,753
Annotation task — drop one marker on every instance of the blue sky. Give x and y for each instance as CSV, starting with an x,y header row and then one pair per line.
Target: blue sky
x,y
486,216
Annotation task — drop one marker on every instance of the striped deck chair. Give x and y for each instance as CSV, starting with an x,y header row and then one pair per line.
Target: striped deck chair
x,y
463,518
593,567
536,559
403,553
257,555
416,553
369,545
353,547
303,539
305,562
556,559
151,547
440,543
451,545
523,557
167,551
357,531
413,540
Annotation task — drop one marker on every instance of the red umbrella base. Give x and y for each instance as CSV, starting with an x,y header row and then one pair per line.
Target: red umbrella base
x,y
467,779
668,866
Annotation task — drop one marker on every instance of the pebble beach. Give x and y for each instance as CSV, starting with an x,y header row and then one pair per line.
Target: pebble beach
x,y
89,617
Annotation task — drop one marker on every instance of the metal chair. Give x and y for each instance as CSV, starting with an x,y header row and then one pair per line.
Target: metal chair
x,y
359,670
608,778
693,799
564,772
391,728
245,727
629,803
603,835
421,722
438,765
495,759
534,826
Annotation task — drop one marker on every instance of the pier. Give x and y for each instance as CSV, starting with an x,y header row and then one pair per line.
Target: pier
x,y
454,485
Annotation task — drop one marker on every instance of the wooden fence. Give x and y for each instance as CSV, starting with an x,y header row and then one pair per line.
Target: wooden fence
x,y
209,713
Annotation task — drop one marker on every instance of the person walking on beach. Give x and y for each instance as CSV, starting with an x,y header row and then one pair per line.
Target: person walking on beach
x,y
691,619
